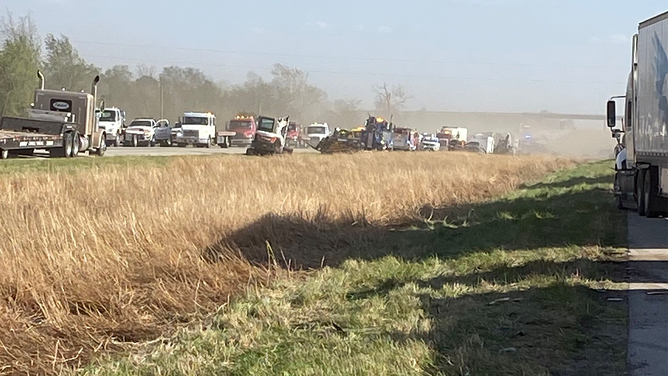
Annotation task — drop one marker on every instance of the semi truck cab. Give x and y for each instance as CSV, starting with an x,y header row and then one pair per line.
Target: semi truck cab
x,y
197,129
641,179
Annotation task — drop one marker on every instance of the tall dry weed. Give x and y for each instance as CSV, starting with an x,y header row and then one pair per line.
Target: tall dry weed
x,y
114,255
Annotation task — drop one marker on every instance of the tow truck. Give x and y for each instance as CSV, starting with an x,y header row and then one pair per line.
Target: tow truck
x,y
63,122
405,139
241,129
449,135
377,134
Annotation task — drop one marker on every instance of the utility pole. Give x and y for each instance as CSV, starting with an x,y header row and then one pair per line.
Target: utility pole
x,y
162,99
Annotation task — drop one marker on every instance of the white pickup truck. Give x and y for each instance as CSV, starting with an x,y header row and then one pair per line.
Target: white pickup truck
x,y
141,131
112,121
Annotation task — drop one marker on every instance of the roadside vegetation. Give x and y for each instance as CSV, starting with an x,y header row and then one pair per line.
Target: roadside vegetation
x,y
527,284
102,258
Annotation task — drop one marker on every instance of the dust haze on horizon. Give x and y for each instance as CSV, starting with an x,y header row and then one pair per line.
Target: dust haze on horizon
x,y
453,55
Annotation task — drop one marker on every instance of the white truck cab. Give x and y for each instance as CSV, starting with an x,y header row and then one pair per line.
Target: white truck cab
x,y
197,129
112,120
317,132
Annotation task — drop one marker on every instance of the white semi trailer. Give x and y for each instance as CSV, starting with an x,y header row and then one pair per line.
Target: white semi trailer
x,y
642,168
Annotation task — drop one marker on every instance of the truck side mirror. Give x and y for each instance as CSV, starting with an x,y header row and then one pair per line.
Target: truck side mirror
x,y
612,114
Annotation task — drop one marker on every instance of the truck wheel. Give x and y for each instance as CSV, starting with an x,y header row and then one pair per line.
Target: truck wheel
x,y
117,141
135,141
68,145
183,145
4,154
76,146
655,205
640,193
65,151
101,149
208,143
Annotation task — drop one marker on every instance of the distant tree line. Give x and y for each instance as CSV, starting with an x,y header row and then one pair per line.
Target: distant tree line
x,y
145,92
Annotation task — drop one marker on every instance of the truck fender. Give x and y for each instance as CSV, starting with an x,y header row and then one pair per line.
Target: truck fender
x,y
98,138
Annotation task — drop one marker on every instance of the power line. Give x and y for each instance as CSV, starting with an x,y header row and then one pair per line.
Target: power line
x,y
377,74
369,59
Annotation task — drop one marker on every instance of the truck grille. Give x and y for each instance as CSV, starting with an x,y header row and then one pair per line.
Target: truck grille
x,y
191,133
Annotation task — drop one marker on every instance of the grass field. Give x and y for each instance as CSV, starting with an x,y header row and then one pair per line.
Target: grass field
x,y
102,258
513,286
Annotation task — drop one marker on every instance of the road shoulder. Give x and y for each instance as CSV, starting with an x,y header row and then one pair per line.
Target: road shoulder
x,y
648,296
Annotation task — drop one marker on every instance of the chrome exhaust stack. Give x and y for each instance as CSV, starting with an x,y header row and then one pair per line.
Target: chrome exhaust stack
x,y
41,80
93,89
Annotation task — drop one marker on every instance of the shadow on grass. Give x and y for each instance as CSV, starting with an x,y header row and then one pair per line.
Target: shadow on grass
x,y
572,182
583,218
552,328
555,330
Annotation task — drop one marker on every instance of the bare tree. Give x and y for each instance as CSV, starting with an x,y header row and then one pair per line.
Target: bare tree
x,y
390,99
345,112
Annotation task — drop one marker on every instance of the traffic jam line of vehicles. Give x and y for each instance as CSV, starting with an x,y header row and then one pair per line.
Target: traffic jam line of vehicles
x,y
641,179
66,123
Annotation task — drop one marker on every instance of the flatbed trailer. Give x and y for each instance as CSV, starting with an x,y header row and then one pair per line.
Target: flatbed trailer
x,y
22,134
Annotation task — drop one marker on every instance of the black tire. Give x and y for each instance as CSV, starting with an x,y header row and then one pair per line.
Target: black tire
x,y
117,141
101,149
76,146
4,153
68,144
183,145
65,151
208,143
655,206
640,193
620,203
135,141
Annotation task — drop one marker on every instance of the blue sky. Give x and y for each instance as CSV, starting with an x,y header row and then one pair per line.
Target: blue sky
x,y
460,55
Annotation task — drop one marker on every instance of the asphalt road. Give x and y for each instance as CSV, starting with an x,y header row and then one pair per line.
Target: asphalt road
x,y
172,151
648,296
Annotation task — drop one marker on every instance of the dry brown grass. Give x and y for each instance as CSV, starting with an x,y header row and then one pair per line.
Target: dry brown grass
x,y
113,255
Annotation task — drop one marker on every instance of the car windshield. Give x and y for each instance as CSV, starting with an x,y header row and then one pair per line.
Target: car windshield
x,y
240,124
316,130
266,125
108,116
141,123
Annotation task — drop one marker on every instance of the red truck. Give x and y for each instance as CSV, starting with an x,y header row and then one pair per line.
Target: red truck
x,y
244,128
294,136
